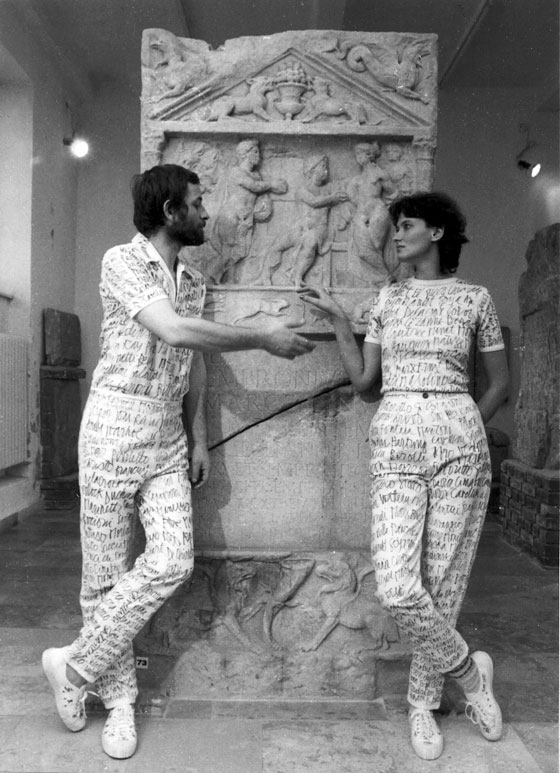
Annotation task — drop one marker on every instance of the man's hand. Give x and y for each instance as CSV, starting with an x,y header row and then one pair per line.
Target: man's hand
x,y
280,341
200,466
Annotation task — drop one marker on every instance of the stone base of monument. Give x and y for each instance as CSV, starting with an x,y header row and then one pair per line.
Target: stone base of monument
x,y
278,627
530,509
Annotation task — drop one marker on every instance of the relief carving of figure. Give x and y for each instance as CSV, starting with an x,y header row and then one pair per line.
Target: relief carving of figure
x,y
323,104
399,171
397,69
342,604
244,202
203,159
231,596
367,213
293,573
309,237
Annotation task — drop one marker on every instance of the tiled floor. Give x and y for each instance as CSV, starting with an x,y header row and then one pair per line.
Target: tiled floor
x,y
511,609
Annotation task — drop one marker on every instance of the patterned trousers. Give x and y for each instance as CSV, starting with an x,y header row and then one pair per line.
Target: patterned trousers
x,y
431,476
133,459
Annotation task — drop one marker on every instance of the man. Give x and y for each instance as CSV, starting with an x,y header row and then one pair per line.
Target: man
x,y
133,448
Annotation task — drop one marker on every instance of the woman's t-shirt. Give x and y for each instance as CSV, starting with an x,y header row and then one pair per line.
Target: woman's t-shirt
x,y
426,329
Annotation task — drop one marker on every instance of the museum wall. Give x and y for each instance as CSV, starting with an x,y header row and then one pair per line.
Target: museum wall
x,y
39,191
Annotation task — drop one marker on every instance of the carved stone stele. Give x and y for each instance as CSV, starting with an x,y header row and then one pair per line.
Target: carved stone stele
x,y
301,140
537,413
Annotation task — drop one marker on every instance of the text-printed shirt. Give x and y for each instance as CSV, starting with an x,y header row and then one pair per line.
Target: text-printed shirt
x,y
134,361
426,329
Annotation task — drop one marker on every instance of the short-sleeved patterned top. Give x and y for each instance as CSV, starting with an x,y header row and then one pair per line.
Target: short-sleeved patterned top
x,y
134,361
426,329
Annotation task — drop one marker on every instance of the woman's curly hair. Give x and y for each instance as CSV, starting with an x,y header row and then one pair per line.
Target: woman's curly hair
x,y
438,210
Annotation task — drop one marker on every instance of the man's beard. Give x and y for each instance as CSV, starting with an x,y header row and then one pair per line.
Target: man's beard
x,y
186,236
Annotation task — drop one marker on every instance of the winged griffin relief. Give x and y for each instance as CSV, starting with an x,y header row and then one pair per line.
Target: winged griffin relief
x,y
399,69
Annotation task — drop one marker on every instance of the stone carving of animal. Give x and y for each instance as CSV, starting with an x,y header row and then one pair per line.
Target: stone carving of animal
x,y
342,604
399,70
173,64
273,307
252,103
322,103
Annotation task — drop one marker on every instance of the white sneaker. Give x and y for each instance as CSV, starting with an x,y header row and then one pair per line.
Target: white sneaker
x,y
482,708
69,699
119,734
425,735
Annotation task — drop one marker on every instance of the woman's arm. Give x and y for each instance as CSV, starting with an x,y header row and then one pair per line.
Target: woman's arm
x,y
497,374
362,366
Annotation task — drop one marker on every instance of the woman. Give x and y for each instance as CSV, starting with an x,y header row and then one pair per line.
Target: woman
x,y
430,464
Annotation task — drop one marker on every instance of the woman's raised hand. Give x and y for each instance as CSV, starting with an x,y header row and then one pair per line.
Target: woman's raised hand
x,y
321,298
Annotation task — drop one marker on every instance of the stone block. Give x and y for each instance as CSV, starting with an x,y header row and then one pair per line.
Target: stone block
x,y
299,140
283,626
62,338
537,408
60,425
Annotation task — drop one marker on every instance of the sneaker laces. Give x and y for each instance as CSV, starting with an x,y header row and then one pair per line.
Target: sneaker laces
x,y
423,724
476,714
121,721
81,702
482,707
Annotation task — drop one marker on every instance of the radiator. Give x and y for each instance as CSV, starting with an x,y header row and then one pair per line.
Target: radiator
x,y
13,401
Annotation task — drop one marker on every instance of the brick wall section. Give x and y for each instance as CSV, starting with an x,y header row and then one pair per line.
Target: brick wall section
x,y
530,509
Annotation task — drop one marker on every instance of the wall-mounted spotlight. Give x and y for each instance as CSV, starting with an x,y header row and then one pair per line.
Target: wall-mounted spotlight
x,y
78,146
528,161
528,158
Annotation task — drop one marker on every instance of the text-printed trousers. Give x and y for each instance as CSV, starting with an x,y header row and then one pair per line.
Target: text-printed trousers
x,y
133,458
431,477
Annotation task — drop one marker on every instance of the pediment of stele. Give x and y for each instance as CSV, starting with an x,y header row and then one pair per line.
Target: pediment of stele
x,y
302,80
301,141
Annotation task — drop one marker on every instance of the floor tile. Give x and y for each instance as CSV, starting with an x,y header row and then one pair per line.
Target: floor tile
x,y
541,740
511,610
357,747
197,746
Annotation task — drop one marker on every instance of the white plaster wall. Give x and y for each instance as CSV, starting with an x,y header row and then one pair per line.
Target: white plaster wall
x,y
478,141
42,232
112,124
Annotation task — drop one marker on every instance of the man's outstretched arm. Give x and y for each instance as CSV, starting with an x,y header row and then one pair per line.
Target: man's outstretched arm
x,y
202,335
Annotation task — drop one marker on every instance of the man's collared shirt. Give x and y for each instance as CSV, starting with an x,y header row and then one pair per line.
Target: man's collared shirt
x,y
134,361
